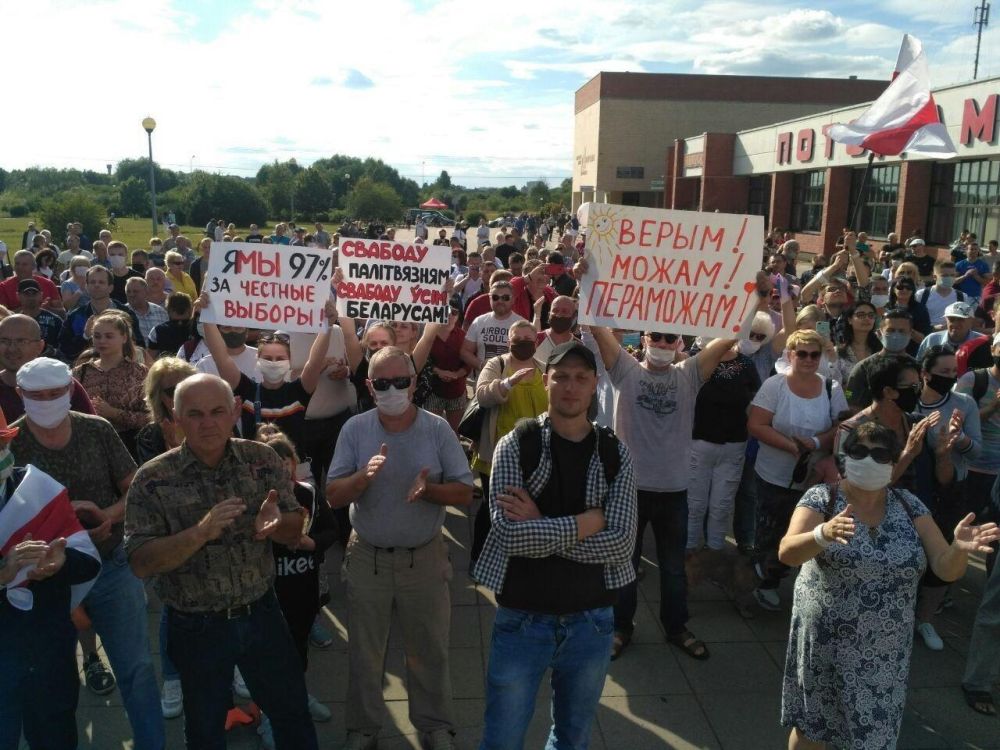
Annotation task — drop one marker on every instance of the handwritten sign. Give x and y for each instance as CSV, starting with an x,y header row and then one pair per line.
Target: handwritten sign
x,y
389,280
670,271
275,287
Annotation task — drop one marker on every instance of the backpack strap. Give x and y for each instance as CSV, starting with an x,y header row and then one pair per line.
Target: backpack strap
x,y
980,384
529,438
833,490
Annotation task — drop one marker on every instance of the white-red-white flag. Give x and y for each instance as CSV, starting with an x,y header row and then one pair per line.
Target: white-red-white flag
x,y
905,117
40,506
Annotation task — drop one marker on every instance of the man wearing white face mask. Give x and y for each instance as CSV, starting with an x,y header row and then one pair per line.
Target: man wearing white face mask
x,y
398,466
120,271
86,456
654,418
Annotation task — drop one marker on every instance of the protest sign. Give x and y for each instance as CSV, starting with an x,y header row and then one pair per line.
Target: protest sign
x,y
390,280
671,271
276,287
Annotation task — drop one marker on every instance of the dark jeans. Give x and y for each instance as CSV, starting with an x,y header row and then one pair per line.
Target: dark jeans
x,y
481,525
949,506
667,513
745,510
775,506
205,648
319,439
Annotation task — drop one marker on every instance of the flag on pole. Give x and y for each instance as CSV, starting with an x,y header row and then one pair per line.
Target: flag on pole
x,y
905,117
40,506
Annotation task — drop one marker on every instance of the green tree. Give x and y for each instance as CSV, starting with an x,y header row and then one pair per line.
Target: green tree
x,y
373,200
443,181
139,168
277,184
312,192
77,204
3,180
221,196
133,197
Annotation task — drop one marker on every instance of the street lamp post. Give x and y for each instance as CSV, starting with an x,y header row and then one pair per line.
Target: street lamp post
x,y
149,125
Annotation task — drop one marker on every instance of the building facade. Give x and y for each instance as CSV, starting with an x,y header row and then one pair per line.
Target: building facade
x,y
626,122
799,180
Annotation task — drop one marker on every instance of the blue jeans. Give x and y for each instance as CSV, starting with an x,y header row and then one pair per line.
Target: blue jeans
x,y
166,666
205,648
578,649
117,607
667,513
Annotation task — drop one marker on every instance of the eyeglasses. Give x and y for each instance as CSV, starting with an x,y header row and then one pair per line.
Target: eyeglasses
x,y
382,384
17,342
877,452
670,338
864,315
499,297
754,336
803,354
275,338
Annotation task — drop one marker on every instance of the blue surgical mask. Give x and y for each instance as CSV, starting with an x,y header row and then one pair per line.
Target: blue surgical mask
x,y
947,282
895,341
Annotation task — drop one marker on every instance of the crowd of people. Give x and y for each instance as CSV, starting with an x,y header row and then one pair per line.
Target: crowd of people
x,y
854,432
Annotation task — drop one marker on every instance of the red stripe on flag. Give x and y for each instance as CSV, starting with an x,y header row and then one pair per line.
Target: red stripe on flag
x,y
892,141
53,520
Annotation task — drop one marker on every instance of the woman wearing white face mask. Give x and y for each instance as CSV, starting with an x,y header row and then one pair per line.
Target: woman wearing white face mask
x,y
719,440
275,396
120,271
862,547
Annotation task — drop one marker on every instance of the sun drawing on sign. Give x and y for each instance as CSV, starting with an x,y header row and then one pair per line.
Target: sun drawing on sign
x,y
601,231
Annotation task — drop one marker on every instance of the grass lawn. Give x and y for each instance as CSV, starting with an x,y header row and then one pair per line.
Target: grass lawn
x,y
133,232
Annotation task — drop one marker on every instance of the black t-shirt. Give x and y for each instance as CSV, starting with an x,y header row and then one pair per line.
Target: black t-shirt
x,y
284,406
924,264
258,238
554,585
118,285
720,412
503,252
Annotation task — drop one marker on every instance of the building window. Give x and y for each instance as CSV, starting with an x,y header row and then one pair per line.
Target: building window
x,y
965,195
759,196
807,201
877,216
631,173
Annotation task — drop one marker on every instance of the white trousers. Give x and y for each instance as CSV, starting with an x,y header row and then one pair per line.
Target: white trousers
x,y
714,478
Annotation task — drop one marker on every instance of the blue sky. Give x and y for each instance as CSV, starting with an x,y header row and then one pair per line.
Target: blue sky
x,y
484,90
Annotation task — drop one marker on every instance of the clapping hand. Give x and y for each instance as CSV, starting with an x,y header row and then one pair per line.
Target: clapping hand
x,y
520,375
375,463
268,517
915,440
419,487
26,552
971,538
95,520
840,528
50,562
950,432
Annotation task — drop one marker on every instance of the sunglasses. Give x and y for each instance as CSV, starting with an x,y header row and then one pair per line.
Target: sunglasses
x,y
803,354
176,263
275,338
864,315
877,452
670,338
499,297
382,384
757,336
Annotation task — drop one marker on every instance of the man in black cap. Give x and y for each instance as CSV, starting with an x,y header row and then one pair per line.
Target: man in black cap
x,y
559,549
29,295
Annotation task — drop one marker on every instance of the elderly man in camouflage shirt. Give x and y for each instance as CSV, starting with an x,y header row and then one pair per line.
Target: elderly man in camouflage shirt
x,y
198,519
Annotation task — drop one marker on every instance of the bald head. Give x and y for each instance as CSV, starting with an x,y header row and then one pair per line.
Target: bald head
x,y
203,388
20,341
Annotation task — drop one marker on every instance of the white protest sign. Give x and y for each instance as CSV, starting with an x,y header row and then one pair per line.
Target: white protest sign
x,y
683,272
391,280
275,287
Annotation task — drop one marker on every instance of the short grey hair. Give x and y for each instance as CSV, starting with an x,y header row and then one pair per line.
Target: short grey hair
x,y
762,323
195,380
387,353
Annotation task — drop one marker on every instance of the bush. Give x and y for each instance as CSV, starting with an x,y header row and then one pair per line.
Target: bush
x,y
473,217
77,204
230,198
374,200
17,212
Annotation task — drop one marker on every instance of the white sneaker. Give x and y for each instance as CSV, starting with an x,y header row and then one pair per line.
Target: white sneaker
x,y
239,686
265,733
361,741
171,699
931,639
767,599
318,711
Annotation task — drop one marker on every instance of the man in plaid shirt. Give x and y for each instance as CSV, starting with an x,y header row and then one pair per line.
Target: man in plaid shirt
x,y
559,549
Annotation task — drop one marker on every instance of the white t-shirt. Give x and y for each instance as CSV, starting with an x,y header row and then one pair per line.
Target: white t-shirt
x,y
246,360
491,334
471,289
936,303
331,396
793,417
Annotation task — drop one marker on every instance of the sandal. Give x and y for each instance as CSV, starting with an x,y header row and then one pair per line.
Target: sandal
x,y
618,643
690,645
980,701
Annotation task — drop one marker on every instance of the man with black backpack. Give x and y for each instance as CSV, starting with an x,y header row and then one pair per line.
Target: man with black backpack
x,y
563,505
984,387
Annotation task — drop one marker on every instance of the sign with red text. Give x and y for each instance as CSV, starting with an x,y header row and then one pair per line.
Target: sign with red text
x,y
275,287
390,280
670,271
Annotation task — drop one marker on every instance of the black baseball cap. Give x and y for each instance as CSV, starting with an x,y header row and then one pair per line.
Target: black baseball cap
x,y
28,285
571,349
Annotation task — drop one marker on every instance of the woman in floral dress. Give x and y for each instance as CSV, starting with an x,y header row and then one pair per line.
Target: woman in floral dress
x,y
862,554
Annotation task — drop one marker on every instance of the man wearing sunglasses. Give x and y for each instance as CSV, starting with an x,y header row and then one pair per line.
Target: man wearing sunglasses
x,y
397,467
486,337
654,418
959,319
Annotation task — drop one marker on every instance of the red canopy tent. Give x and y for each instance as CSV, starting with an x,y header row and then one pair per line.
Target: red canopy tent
x,y
434,203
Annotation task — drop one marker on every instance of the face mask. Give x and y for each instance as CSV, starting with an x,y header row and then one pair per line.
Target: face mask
x,y
80,271
659,357
748,348
880,300
117,261
46,272
561,324
867,473
946,282
907,399
47,413
523,350
6,463
234,339
941,384
273,372
895,341
392,402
